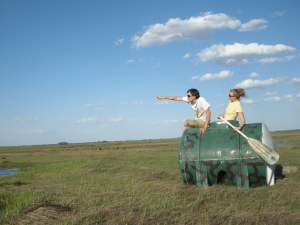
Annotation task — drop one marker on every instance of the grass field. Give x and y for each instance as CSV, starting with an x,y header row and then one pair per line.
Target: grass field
x,y
136,182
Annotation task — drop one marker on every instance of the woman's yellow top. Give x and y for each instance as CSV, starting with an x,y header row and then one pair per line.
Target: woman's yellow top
x,y
232,110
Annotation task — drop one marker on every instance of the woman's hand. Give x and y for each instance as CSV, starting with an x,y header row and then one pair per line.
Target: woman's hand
x,y
237,128
219,116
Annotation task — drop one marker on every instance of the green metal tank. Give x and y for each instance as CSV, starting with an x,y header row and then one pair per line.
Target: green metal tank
x,y
221,155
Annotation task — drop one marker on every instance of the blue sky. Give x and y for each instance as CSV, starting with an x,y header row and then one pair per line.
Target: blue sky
x,y
81,71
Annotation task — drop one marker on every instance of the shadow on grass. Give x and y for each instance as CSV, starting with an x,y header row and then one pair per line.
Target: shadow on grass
x,y
279,172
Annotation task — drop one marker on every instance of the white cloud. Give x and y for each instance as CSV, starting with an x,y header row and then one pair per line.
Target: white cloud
x,y
176,29
272,99
254,25
270,93
119,41
141,102
249,101
164,102
278,14
87,120
95,106
20,119
250,83
90,105
187,56
238,53
211,76
270,60
130,61
116,120
196,77
296,80
102,122
289,97
167,122
277,59
254,74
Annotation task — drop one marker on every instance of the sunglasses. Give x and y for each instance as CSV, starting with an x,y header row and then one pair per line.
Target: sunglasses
x,y
231,96
189,96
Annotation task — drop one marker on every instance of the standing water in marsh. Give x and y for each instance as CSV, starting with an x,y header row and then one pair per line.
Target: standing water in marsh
x,y
8,171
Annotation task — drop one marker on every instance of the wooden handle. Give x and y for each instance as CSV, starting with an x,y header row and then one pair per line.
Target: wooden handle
x,y
233,127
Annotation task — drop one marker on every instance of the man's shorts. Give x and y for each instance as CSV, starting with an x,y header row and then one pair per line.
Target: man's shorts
x,y
193,123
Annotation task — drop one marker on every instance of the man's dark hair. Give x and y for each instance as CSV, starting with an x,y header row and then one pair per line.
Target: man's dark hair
x,y
194,92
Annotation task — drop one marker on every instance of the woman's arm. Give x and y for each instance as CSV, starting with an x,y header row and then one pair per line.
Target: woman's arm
x,y
242,120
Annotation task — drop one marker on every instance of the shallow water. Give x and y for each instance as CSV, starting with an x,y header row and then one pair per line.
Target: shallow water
x,y
282,144
8,171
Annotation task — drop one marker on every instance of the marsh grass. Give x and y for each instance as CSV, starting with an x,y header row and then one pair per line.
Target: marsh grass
x,y
135,182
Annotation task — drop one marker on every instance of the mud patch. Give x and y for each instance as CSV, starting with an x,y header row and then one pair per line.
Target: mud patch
x,y
100,215
16,183
161,218
20,183
45,213
157,176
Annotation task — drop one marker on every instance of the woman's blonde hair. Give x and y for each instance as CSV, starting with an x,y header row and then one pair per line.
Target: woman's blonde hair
x,y
238,92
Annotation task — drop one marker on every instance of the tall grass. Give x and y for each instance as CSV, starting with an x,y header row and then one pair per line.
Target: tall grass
x,y
134,182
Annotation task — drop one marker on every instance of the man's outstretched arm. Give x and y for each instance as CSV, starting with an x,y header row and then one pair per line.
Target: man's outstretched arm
x,y
174,98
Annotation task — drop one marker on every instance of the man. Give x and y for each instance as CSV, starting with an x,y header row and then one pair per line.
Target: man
x,y
199,105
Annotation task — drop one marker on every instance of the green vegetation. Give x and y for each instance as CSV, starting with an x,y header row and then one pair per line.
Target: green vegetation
x,y
135,182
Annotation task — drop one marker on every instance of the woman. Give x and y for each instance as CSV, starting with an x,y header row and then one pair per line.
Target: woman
x,y
234,108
